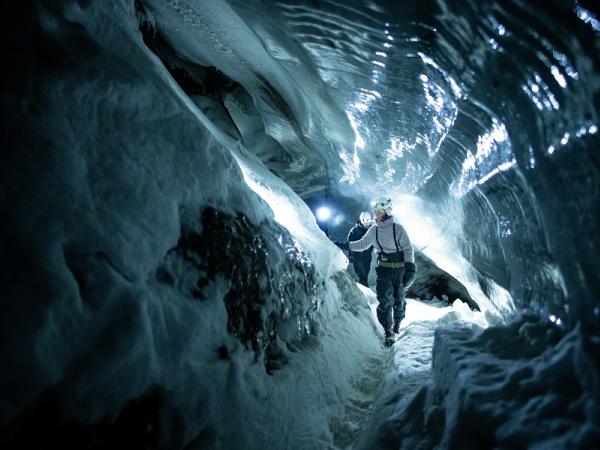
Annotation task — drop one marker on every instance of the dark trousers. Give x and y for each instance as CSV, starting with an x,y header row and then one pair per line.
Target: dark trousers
x,y
361,268
390,294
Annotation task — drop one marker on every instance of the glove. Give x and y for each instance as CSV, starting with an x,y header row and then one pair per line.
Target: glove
x,y
410,271
342,245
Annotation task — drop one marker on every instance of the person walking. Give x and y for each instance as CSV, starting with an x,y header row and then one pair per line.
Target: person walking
x,y
396,267
361,261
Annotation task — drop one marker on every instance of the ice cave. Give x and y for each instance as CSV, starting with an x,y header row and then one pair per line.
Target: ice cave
x,y
176,175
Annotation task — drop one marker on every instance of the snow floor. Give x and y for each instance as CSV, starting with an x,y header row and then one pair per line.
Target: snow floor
x,y
403,368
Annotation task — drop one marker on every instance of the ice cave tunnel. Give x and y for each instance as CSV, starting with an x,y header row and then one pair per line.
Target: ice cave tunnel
x,y
167,284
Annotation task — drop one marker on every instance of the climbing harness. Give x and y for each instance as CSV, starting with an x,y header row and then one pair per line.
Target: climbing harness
x,y
393,260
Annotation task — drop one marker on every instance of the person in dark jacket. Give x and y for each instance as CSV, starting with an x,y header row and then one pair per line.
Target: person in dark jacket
x,y
361,260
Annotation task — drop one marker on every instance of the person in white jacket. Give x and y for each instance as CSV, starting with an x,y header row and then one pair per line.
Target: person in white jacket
x,y
396,267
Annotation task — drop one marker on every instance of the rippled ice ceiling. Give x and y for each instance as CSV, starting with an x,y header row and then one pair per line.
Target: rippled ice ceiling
x,y
426,86
486,110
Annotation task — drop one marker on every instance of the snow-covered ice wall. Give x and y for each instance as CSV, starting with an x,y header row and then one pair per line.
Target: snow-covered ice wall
x,y
150,295
163,281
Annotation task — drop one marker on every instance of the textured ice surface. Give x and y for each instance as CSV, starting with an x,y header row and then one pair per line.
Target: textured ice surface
x,y
519,386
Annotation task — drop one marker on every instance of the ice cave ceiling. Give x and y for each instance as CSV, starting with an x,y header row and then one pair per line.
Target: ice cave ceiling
x,y
488,110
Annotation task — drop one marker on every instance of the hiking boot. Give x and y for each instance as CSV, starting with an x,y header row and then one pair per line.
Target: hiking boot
x,y
396,328
391,334
390,337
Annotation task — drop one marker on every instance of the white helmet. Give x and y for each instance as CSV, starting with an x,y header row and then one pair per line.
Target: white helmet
x,y
365,218
384,204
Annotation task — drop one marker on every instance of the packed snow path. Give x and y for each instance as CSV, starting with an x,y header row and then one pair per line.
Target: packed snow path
x,y
391,377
